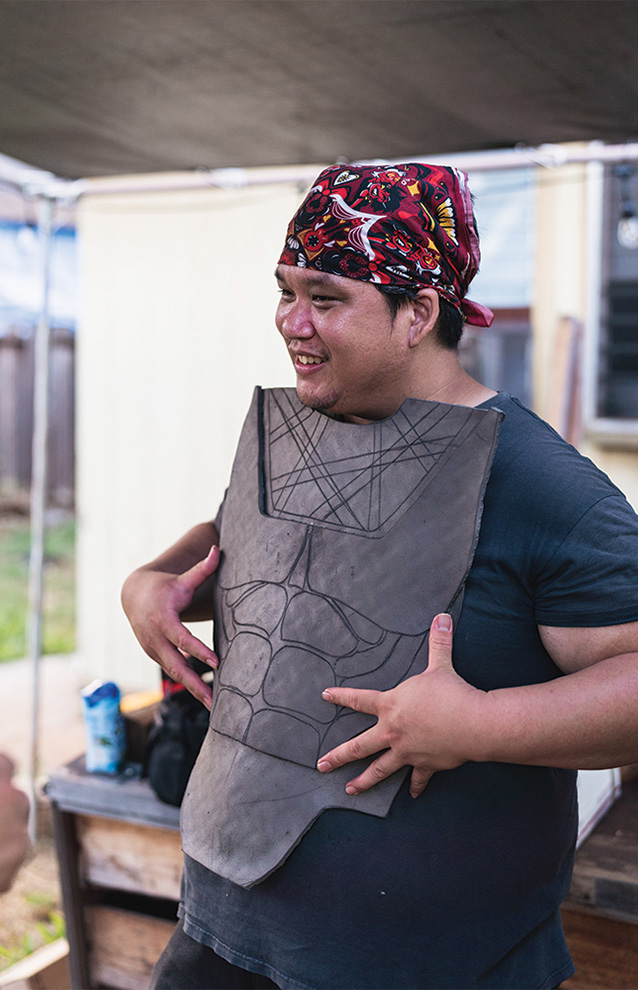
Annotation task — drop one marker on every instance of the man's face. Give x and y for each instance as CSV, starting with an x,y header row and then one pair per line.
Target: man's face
x,y
349,355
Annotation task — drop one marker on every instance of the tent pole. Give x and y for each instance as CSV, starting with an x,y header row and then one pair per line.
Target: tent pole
x,y
36,182
38,495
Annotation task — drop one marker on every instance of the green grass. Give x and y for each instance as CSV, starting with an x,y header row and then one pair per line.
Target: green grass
x,y
58,597
39,933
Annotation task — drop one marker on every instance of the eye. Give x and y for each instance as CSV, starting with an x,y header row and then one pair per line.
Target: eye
x,y
285,293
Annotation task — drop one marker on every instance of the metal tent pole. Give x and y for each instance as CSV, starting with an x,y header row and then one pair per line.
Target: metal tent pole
x,y
38,494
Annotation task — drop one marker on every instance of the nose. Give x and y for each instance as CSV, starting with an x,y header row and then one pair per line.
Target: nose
x,y
294,320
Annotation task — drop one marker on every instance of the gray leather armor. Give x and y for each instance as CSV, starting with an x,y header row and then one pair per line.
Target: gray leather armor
x,y
341,542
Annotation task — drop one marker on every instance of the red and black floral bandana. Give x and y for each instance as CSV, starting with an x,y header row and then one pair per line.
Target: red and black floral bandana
x,y
407,225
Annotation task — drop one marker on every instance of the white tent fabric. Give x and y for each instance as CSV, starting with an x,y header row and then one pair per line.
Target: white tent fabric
x,y
108,87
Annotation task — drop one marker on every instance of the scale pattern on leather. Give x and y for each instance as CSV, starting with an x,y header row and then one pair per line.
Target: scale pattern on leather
x,y
333,491
282,643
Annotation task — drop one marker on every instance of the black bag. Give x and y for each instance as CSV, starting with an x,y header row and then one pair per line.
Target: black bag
x,y
174,743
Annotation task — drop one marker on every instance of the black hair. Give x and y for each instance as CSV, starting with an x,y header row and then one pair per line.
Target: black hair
x,y
449,326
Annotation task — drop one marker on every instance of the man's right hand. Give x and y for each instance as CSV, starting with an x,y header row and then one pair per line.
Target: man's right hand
x,y
155,599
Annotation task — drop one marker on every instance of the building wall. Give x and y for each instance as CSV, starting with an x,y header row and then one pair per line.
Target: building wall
x,y
564,236
176,327
559,273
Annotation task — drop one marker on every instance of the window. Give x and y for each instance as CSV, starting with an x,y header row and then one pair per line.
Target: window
x,y
499,356
612,405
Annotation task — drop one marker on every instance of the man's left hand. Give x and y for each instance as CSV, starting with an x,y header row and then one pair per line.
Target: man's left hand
x,y
427,722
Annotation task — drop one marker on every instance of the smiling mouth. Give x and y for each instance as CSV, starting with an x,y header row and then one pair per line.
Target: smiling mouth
x,y
306,359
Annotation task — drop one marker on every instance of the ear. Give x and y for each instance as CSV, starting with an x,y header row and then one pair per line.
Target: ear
x,y
425,309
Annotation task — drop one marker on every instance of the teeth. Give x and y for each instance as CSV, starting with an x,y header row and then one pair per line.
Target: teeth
x,y
304,359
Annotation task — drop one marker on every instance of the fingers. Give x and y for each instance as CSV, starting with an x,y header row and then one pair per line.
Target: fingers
x,y
210,563
366,744
203,569
180,670
419,780
190,646
379,770
359,699
358,748
193,683
440,642
170,650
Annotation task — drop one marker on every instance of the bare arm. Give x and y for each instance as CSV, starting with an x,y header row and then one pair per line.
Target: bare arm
x,y
587,719
436,720
174,588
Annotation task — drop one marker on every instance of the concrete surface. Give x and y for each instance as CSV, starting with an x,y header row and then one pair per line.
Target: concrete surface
x,y
61,728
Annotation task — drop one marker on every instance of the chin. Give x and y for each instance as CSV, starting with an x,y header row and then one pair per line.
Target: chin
x,y
318,402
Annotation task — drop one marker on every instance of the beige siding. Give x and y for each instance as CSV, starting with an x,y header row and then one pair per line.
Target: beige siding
x,y
176,329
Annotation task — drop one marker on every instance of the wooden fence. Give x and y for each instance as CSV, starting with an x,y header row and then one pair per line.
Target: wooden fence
x,y
16,415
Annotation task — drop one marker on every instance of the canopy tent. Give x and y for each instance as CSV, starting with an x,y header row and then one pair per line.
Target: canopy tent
x,y
113,87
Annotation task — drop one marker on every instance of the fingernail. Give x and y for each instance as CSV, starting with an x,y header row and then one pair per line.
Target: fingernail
x,y
443,622
323,765
351,789
326,695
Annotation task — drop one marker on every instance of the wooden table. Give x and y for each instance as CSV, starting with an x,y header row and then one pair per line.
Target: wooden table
x,y
120,860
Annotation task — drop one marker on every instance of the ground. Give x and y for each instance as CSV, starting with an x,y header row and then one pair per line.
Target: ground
x,y
30,912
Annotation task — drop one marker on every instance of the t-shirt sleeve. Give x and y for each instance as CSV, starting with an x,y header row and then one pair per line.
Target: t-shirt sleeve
x,y
592,577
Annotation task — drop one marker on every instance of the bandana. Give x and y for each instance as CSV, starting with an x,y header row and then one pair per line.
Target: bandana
x,y
407,225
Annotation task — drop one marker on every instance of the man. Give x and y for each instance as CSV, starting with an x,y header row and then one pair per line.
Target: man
x,y
391,496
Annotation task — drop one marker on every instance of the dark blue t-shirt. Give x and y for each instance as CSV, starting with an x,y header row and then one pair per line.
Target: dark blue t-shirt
x,y
460,888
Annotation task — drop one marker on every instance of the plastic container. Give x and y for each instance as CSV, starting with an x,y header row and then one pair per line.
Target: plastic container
x,y
104,727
